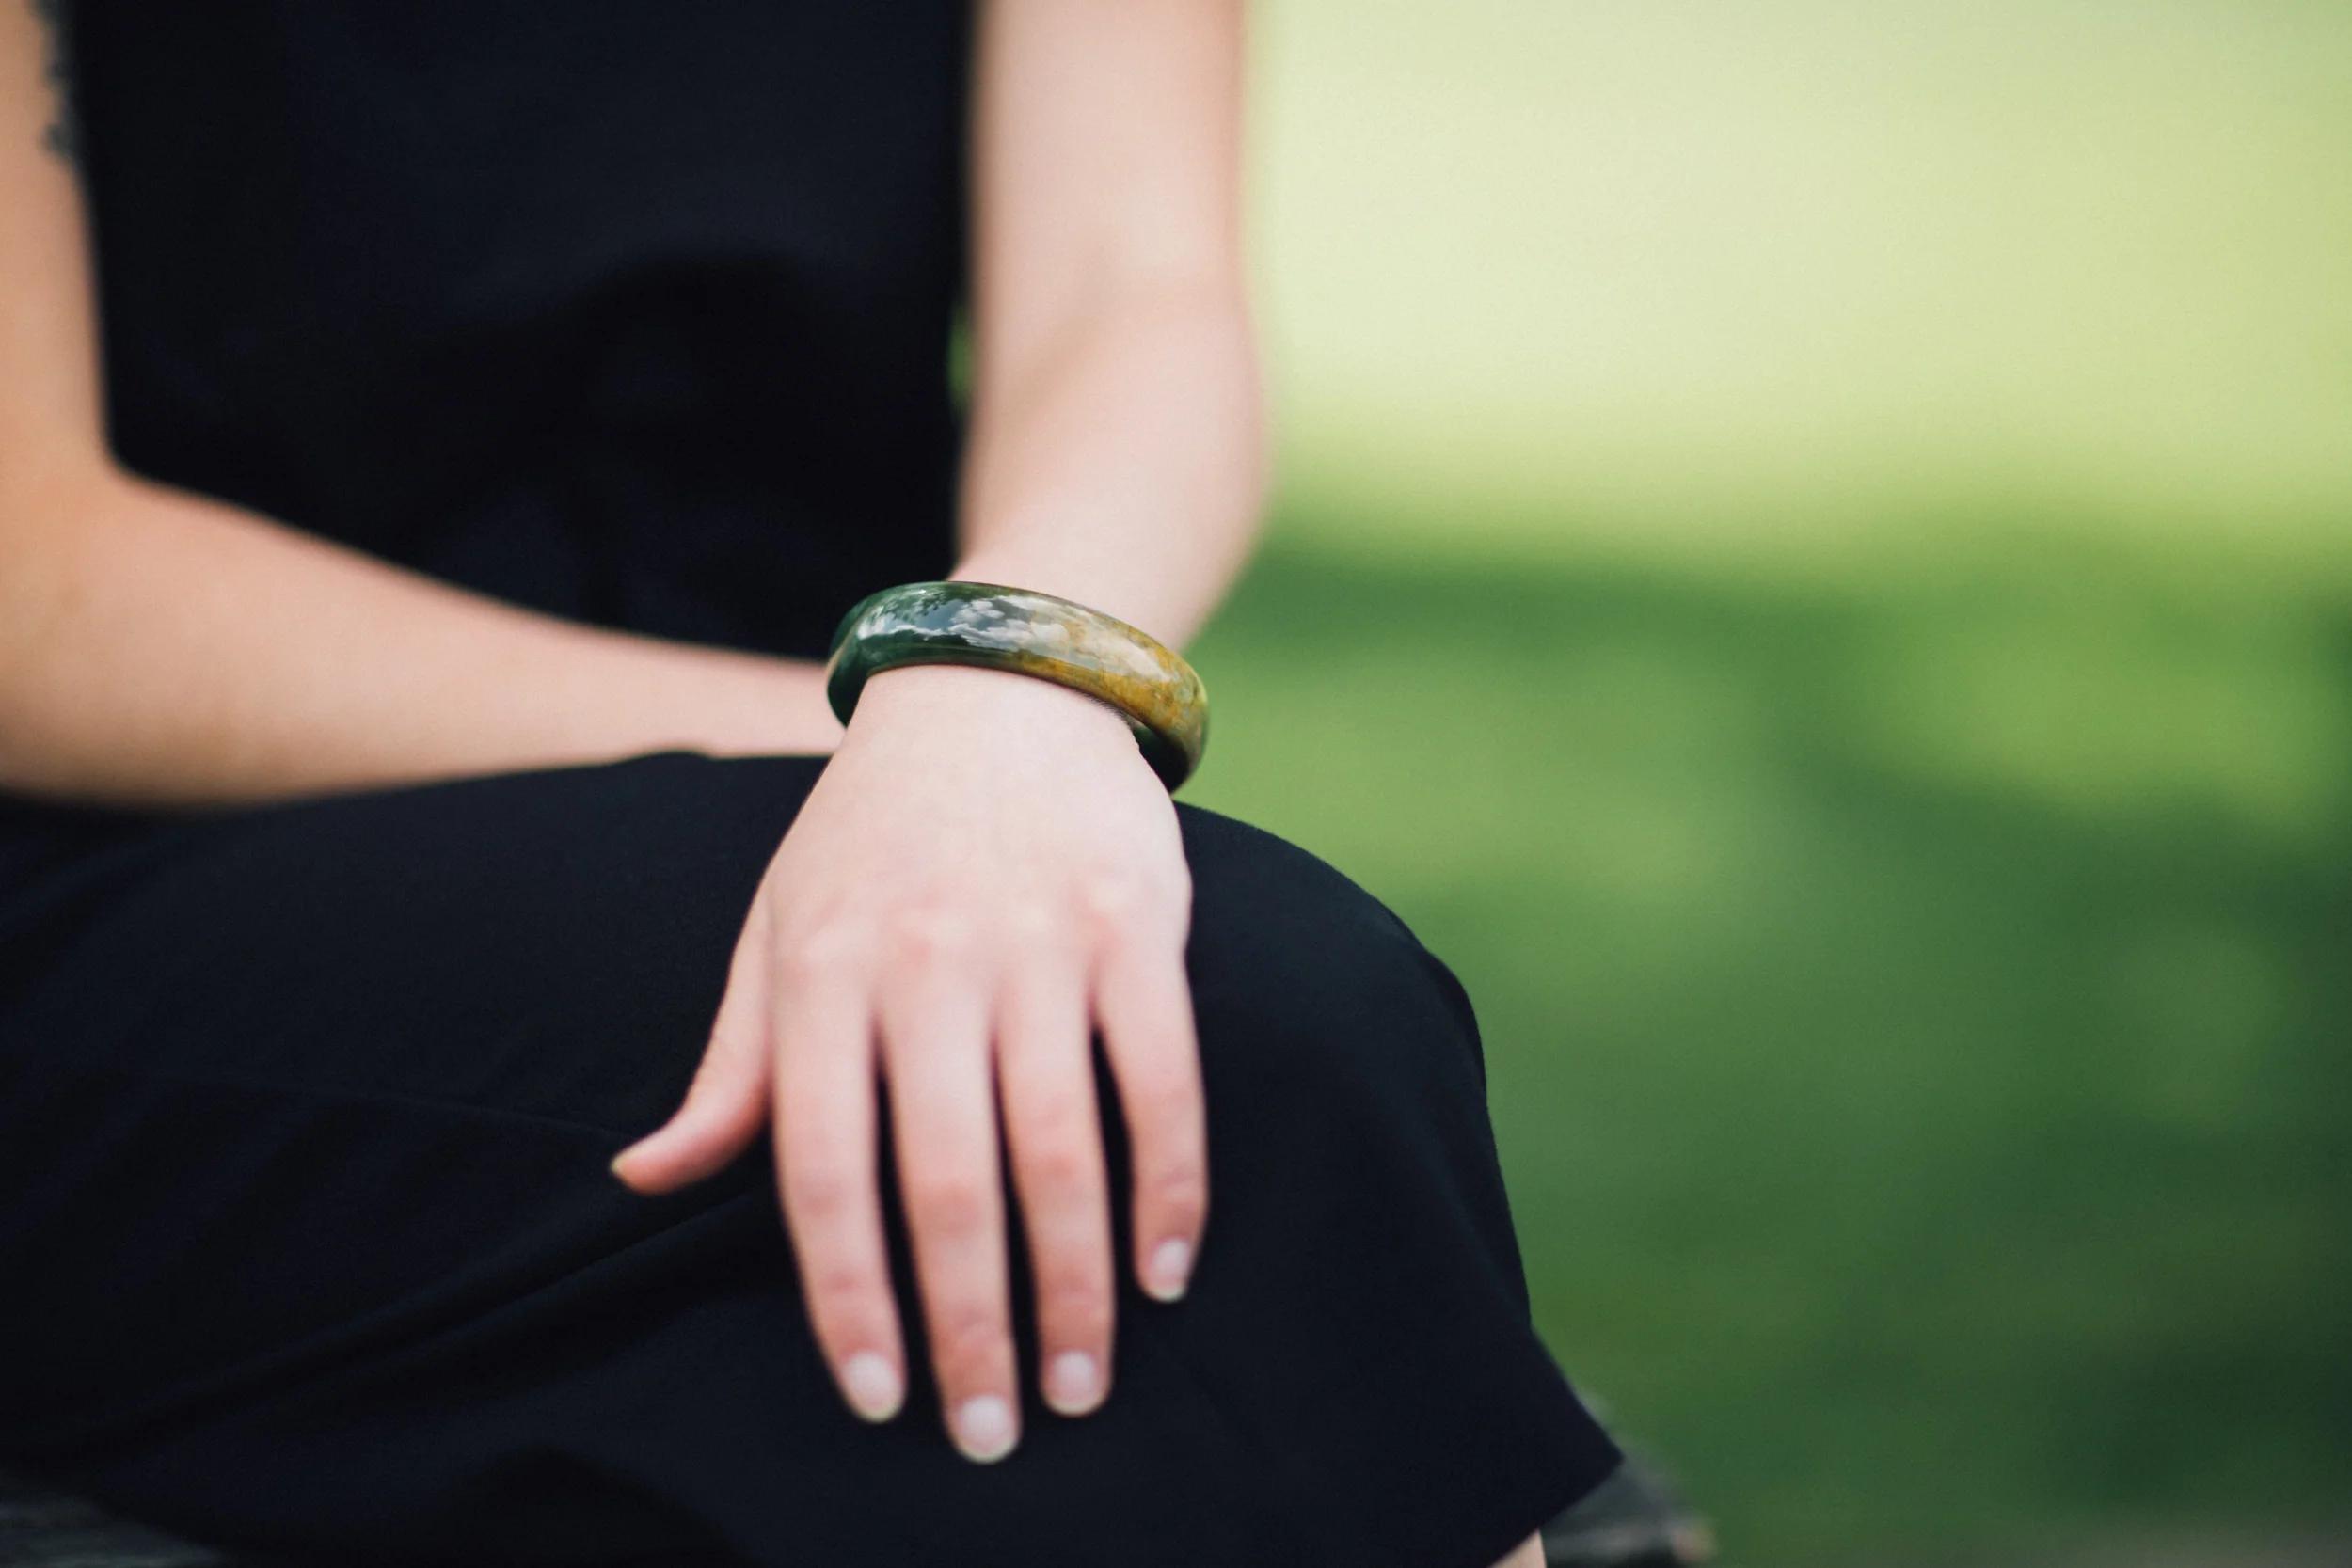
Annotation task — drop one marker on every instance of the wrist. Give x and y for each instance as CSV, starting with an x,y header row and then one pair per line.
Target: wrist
x,y
1003,698
737,704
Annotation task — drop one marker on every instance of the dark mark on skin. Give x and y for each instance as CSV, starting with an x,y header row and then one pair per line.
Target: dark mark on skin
x,y
62,136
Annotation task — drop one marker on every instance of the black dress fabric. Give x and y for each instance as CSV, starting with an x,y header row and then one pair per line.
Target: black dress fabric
x,y
638,314
308,1248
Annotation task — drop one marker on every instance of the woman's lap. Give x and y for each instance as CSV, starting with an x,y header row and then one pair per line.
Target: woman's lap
x,y
304,1114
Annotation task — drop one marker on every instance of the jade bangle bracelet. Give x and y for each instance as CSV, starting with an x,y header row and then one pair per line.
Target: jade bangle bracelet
x,y
1030,634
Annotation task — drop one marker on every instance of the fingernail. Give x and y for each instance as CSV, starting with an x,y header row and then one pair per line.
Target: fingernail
x,y
983,1428
1074,1382
1171,1262
620,1159
872,1385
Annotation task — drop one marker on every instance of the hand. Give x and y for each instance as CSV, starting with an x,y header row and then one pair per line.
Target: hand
x,y
986,868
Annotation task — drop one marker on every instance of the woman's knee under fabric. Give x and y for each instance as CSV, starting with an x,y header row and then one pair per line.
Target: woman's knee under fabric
x,y
1357,1229
1314,998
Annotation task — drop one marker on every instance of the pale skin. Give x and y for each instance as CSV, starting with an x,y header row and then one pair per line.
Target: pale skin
x,y
956,929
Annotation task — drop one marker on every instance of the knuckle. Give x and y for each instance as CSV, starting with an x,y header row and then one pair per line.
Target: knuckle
x,y
836,1288
968,1333
828,951
1055,1118
952,1205
1063,1167
1178,1189
1032,923
1079,1308
932,935
1110,897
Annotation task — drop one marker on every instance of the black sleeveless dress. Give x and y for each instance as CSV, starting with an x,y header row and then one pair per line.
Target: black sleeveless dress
x,y
637,315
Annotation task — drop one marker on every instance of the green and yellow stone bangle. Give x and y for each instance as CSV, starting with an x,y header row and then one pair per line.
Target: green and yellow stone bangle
x,y
1031,634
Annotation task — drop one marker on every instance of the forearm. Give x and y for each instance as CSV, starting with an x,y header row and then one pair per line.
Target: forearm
x,y
1124,468
157,647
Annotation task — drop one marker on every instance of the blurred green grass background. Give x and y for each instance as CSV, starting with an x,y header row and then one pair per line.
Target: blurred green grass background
x,y
1814,565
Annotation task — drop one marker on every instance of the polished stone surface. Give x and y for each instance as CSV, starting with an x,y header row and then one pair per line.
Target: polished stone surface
x,y
1031,634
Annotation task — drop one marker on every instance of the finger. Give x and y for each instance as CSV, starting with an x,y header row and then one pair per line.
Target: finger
x,y
935,1019
1144,1005
726,1105
1053,1125
827,1178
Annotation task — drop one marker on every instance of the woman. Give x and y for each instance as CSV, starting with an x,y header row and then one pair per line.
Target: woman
x,y
422,795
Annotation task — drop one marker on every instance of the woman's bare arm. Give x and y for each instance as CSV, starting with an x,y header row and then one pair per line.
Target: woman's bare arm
x,y
1117,453
163,648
